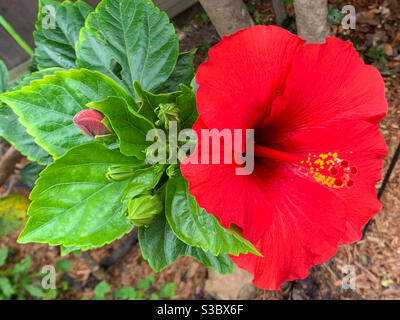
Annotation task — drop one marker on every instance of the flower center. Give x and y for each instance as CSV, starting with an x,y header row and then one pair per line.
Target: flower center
x,y
326,168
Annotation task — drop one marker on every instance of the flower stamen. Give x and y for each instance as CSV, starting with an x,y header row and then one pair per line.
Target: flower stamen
x,y
325,168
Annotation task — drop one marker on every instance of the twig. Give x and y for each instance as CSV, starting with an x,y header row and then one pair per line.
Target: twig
x,y
12,182
121,251
384,183
93,266
7,163
279,10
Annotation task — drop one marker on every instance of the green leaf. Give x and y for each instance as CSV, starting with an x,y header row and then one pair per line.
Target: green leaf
x,y
13,210
46,107
6,287
160,247
335,16
67,250
100,290
74,204
3,77
194,85
130,127
57,32
4,255
133,35
182,74
14,132
34,291
63,265
154,296
144,284
143,180
194,226
22,267
30,173
168,290
126,293
187,105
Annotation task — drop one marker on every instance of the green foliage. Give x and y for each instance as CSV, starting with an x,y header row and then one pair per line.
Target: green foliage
x,y
142,42
63,265
376,52
101,290
182,74
202,18
145,290
146,283
335,16
56,35
3,77
30,173
130,127
160,247
74,204
17,282
14,132
47,107
168,290
95,190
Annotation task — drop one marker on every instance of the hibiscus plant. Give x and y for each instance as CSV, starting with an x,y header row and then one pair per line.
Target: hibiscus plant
x,y
105,111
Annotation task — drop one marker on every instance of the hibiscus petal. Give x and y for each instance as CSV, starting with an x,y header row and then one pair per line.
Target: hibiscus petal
x,y
327,82
242,76
307,224
238,199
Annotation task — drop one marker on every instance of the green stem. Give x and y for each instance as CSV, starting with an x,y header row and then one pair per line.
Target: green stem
x,y
16,36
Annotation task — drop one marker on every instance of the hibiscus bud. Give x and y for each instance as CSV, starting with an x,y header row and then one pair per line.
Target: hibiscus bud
x,y
90,123
119,173
173,170
144,209
166,113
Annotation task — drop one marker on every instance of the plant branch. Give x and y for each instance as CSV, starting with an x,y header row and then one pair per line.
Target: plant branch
x,y
93,266
7,163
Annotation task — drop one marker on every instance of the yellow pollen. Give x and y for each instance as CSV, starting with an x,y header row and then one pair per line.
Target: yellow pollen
x,y
315,167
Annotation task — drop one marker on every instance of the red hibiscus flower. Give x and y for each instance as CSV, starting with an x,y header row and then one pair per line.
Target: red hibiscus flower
x,y
318,149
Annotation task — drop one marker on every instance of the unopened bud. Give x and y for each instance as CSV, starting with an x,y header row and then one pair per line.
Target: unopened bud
x,y
144,209
166,113
119,173
173,170
89,121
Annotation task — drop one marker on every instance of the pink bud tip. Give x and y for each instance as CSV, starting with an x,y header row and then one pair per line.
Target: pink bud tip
x,y
89,122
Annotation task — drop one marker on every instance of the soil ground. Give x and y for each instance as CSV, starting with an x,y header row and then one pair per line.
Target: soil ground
x,y
376,258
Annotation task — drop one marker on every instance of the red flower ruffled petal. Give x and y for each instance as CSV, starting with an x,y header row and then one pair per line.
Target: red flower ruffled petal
x,y
327,82
244,73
